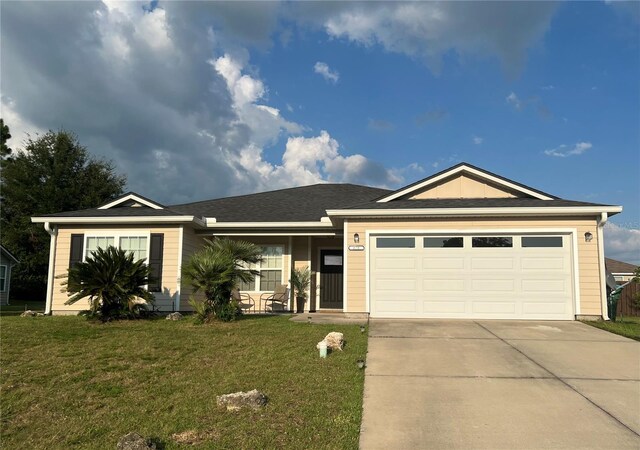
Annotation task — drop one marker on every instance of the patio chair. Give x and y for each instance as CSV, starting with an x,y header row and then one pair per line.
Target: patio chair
x,y
280,296
245,302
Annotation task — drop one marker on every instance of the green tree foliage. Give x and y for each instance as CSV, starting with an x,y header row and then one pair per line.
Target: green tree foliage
x,y
113,283
53,173
5,135
215,270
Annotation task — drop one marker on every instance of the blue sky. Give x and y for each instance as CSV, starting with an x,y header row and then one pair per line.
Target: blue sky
x,y
248,97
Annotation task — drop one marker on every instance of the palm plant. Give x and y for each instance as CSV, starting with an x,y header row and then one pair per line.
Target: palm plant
x,y
216,270
113,282
300,280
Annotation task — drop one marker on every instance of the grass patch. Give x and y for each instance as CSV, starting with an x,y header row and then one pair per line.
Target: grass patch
x,y
69,383
17,307
624,326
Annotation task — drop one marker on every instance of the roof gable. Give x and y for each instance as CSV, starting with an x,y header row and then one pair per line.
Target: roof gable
x,y
8,254
465,181
131,200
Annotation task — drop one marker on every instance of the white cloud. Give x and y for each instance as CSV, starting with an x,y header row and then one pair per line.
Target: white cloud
x,y
564,151
477,140
323,69
19,127
622,243
428,30
549,87
309,160
514,101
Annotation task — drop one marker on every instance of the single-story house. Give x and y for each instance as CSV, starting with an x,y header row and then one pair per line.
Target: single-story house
x,y
7,261
621,271
462,243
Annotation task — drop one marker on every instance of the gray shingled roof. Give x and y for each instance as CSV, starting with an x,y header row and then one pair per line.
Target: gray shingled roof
x,y
616,266
300,204
307,203
117,212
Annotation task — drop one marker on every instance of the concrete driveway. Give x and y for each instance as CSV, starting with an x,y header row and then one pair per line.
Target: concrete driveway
x,y
444,384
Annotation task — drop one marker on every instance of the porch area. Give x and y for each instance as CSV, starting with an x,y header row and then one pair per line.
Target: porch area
x,y
282,254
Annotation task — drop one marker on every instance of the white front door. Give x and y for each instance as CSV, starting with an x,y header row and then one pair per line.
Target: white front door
x,y
507,276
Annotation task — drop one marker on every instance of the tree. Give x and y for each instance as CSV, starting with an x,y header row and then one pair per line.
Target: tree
x,y
53,173
5,135
216,270
113,282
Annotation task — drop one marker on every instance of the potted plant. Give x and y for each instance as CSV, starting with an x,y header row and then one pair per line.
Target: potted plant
x,y
300,281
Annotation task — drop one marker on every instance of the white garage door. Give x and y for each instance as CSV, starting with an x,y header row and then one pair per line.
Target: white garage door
x,y
471,276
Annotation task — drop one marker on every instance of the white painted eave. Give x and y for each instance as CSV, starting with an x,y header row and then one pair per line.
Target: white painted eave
x,y
213,223
511,211
118,220
129,197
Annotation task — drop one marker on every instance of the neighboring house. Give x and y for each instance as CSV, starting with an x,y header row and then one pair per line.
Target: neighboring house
x,y
7,261
463,243
621,271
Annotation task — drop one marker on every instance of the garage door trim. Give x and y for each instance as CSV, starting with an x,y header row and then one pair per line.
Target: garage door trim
x,y
571,232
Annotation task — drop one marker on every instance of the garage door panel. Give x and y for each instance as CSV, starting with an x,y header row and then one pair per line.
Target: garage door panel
x,y
478,263
507,285
493,307
442,263
541,263
546,286
546,308
467,282
396,306
439,285
395,263
444,306
396,285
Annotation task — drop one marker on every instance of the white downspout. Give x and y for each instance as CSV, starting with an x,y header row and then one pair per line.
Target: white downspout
x,y
603,283
53,232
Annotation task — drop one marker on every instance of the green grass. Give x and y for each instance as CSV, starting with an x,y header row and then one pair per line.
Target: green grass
x,y
17,307
624,326
68,383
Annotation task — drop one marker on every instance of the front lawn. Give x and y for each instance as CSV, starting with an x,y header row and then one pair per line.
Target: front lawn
x,y
69,383
624,326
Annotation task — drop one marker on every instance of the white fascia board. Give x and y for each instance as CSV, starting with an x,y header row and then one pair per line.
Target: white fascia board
x,y
118,220
232,233
213,223
511,211
470,170
131,197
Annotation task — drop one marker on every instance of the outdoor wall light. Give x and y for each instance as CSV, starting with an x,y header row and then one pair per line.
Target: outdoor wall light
x,y
588,236
356,238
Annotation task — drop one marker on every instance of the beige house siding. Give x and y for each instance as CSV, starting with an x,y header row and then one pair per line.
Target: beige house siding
x,y
164,300
588,261
464,186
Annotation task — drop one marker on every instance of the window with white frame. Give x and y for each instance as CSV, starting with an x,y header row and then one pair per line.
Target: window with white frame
x,y
270,270
138,245
3,278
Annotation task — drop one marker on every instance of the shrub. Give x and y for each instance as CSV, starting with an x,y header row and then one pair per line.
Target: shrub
x,y
216,269
114,284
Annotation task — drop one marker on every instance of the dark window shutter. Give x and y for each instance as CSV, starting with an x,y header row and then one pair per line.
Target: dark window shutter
x,y
155,261
77,249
